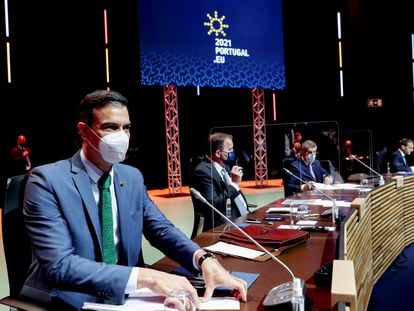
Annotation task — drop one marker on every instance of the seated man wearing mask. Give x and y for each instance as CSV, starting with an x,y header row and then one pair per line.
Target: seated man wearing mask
x,y
307,169
217,179
86,217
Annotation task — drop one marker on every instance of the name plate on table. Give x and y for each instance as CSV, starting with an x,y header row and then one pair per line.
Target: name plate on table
x,y
282,210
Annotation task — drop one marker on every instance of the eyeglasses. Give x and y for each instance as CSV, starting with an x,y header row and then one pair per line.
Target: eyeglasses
x,y
227,151
312,152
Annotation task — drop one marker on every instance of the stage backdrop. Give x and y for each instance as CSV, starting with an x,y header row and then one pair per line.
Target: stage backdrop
x,y
216,43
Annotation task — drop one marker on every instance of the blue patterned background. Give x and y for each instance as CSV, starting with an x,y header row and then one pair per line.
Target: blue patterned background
x,y
176,49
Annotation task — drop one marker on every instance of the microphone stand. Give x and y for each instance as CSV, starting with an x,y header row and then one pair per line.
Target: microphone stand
x,y
277,294
335,211
381,178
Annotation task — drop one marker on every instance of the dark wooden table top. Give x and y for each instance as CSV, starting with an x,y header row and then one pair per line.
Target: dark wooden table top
x,y
303,260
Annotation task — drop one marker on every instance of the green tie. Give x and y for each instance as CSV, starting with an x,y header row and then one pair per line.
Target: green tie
x,y
106,218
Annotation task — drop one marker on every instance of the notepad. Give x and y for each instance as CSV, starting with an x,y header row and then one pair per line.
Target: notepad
x,y
234,250
146,300
282,210
306,222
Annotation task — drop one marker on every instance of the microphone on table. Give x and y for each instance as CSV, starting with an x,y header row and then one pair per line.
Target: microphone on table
x,y
381,178
334,210
281,294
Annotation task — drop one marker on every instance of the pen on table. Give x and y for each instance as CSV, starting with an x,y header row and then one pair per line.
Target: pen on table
x,y
310,215
253,220
257,221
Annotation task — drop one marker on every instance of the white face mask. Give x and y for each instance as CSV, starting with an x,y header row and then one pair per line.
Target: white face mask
x,y
112,147
310,158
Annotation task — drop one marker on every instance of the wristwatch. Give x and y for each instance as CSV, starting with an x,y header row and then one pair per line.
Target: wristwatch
x,y
204,257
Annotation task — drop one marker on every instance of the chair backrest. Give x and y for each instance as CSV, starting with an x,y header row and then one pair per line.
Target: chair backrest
x,y
193,164
16,243
286,164
381,158
198,225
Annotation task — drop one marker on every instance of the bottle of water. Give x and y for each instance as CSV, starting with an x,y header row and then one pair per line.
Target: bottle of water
x,y
298,301
335,213
389,175
228,214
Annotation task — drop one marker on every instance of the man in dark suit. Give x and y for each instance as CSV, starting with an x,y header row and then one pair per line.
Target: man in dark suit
x,y
398,161
217,179
308,169
62,208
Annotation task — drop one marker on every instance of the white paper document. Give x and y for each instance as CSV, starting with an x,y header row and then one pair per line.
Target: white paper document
x,y
339,203
146,300
234,250
282,210
321,186
289,227
306,222
339,186
324,203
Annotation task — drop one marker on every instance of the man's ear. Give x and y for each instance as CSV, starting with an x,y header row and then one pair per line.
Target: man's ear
x,y
81,128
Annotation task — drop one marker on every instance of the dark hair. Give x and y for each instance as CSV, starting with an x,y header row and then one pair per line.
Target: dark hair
x,y
405,141
216,141
96,99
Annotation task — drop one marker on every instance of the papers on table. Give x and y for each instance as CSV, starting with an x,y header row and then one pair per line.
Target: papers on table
x,y
289,227
339,186
406,173
221,303
324,203
306,223
234,250
146,300
301,226
321,186
283,210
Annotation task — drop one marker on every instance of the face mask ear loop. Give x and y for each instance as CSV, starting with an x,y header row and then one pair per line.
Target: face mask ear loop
x,y
89,142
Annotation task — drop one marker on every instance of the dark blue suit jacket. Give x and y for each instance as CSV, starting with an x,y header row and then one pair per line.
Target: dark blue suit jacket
x,y
211,186
62,221
397,163
302,170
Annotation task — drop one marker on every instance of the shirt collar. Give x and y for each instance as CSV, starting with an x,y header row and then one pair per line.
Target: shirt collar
x,y
91,169
218,167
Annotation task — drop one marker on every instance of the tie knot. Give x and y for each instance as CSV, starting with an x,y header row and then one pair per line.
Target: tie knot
x,y
104,182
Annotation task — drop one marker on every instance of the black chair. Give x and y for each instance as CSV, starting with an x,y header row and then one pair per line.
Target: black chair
x,y
198,226
381,158
286,164
16,244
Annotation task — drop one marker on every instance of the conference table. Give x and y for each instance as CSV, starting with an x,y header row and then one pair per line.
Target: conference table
x,y
303,260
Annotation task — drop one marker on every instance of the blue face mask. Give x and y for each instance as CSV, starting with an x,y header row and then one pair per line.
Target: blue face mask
x,y
231,157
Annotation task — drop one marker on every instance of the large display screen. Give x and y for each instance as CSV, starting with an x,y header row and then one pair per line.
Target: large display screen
x,y
212,43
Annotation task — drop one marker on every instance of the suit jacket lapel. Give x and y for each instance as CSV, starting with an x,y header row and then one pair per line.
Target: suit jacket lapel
x,y
121,187
216,177
83,184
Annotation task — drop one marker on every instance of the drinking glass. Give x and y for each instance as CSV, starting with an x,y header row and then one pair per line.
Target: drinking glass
x,y
179,299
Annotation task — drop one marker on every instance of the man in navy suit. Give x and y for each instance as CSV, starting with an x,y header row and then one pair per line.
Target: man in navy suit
x,y
61,211
308,169
398,161
218,179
